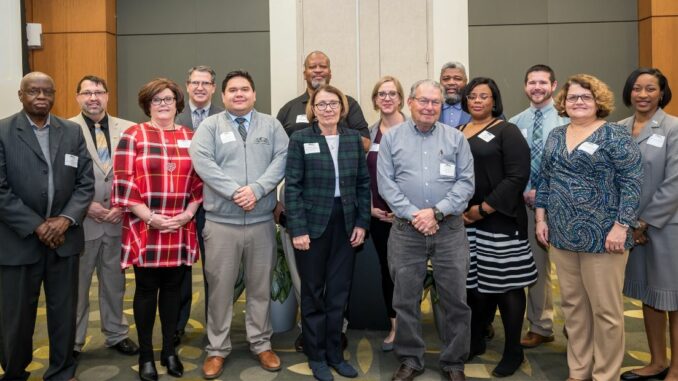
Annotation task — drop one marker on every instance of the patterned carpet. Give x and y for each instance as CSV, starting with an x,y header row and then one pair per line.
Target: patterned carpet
x,y
547,362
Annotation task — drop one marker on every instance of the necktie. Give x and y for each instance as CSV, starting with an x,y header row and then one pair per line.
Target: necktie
x,y
198,117
537,148
241,128
102,147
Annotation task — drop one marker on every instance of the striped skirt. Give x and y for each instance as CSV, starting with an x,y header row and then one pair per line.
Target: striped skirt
x,y
499,262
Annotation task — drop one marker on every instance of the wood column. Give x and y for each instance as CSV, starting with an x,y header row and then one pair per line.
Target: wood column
x,y
657,36
79,38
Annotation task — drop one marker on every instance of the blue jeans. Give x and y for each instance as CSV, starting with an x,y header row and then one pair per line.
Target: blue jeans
x,y
408,254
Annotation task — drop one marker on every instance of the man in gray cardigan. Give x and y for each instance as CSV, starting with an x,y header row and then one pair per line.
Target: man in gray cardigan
x,y
240,154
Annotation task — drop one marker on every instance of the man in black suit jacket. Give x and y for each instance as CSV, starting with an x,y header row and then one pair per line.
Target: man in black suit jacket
x,y
200,86
46,186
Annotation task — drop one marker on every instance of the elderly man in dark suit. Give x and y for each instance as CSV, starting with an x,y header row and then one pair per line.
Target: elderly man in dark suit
x,y
46,186
200,86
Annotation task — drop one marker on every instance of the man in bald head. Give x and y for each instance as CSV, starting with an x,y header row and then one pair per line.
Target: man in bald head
x,y
46,186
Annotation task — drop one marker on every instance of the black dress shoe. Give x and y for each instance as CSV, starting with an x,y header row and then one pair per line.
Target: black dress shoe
x,y
630,376
147,371
174,366
299,343
406,373
126,347
509,364
454,375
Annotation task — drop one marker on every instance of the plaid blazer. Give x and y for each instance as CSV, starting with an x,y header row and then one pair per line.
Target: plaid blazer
x,y
310,182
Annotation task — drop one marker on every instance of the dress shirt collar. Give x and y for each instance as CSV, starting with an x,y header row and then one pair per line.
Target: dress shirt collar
x,y
247,117
90,123
194,107
420,132
544,110
35,126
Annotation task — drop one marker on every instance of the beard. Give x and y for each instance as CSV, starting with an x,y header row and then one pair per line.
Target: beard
x,y
316,83
452,99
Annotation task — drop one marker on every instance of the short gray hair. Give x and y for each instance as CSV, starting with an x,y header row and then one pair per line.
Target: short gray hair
x,y
454,65
204,69
426,82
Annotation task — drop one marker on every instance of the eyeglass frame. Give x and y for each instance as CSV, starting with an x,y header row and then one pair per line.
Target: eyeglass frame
x,y
168,100
97,94
200,83
573,98
333,105
423,102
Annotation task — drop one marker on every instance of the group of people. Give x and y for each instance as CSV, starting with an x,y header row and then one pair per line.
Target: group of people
x,y
486,202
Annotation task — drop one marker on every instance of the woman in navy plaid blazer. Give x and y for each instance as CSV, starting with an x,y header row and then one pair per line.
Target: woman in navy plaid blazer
x,y
327,193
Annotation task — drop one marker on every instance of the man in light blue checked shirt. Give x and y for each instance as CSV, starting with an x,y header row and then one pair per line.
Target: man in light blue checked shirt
x,y
425,174
536,122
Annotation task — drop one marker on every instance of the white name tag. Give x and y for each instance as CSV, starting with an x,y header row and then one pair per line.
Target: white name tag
x,y
302,118
486,136
227,137
374,147
311,148
656,140
447,169
183,143
588,147
71,160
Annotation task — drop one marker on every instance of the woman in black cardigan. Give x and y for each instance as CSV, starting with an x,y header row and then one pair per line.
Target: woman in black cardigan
x,y
496,223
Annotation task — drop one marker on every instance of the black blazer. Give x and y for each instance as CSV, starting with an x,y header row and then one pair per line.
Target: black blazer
x,y
24,182
185,118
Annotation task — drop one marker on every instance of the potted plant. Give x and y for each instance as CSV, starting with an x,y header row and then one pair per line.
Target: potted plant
x,y
283,302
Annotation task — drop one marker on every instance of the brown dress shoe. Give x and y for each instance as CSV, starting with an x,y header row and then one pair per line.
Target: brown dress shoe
x,y
533,340
454,375
212,367
269,361
406,373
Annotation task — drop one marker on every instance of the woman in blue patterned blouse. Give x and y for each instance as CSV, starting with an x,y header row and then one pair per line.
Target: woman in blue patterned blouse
x,y
587,199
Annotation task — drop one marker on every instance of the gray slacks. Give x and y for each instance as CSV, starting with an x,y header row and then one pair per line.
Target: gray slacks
x,y
225,246
408,254
103,254
539,295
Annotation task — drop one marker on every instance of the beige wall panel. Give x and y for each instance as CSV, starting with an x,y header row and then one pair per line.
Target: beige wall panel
x,y
370,70
592,11
500,12
332,29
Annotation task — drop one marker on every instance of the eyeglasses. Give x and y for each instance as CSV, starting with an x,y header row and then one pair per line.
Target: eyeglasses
x,y
586,98
423,102
88,94
34,92
166,100
483,97
200,83
390,94
322,106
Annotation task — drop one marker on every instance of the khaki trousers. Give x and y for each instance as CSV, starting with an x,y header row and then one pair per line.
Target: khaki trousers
x,y
539,295
591,291
225,246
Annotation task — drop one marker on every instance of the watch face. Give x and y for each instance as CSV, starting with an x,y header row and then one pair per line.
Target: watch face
x,y
439,215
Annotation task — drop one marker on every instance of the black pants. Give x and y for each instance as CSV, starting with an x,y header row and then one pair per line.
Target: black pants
x,y
19,293
187,282
157,288
512,309
325,270
379,231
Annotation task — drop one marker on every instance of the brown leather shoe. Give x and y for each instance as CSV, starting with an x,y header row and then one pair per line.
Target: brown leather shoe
x,y
406,373
533,340
454,375
212,367
269,361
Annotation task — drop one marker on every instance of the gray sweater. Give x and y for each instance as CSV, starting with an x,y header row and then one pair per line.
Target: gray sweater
x,y
226,163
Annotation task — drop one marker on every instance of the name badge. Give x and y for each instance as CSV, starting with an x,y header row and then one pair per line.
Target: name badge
x,y
588,147
227,137
311,148
374,147
656,140
447,169
301,118
486,136
71,160
183,143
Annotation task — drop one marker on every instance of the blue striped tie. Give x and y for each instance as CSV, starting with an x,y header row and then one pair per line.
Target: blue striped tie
x,y
241,128
537,148
102,147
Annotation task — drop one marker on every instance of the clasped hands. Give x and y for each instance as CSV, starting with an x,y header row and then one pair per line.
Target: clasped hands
x,y
244,197
170,224
303,242
425,221
52,231
98,213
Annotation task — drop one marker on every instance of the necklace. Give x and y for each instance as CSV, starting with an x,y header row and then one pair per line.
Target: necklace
x,y
171,165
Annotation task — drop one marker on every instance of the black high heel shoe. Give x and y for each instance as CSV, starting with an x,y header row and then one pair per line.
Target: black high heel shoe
x,y
508,365
174,366
147,371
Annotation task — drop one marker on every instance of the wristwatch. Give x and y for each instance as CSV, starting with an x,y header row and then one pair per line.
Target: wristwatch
x,y
438,214
482,212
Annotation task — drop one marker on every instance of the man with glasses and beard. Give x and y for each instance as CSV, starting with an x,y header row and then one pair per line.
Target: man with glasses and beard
x,y
292,115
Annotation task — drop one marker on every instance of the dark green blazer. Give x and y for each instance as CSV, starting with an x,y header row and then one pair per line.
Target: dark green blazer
x,y
310,182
